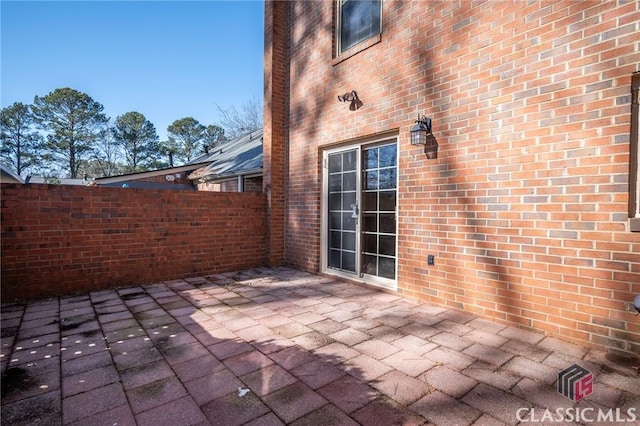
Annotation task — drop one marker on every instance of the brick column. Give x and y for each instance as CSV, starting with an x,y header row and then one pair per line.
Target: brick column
x,y
276,79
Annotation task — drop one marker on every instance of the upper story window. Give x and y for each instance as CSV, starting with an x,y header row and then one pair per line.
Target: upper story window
x,y
357,21
634,158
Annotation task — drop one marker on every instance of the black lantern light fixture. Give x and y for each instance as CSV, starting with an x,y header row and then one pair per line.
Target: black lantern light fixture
x,y
352,97
421,130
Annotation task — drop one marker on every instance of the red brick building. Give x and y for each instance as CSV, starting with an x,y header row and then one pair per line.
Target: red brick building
x,y
526,193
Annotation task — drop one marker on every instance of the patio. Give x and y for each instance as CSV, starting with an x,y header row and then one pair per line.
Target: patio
x,y
281,346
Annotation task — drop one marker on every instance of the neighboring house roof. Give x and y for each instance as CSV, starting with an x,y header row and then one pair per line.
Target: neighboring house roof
x,y
57,180
132,180
239,156
9,176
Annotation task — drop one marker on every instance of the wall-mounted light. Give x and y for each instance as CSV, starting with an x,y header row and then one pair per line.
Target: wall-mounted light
x,y
352,97
421,130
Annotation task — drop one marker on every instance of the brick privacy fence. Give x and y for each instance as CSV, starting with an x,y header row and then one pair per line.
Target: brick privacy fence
x,y
65,239
525,208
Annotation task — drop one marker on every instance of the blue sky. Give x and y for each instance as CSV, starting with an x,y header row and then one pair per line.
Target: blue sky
x,y
164,59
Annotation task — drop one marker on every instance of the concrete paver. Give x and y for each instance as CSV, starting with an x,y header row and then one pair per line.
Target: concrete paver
x,y
294,401
280,346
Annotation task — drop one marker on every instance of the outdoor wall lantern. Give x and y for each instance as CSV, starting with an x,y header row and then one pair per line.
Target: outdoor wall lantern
x,y
636,303
421,130
352,97
421,135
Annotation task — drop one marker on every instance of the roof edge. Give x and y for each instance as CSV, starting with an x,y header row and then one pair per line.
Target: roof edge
x,y
212,177
150,173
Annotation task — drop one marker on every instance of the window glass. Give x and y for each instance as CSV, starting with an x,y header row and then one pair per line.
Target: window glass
x,y
359,20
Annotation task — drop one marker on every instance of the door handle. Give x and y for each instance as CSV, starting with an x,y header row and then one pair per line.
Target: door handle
x,y
354,215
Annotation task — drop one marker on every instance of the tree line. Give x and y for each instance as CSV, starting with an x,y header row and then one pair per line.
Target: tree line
x,y
66,134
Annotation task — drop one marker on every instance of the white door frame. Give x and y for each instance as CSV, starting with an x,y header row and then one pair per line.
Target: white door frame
x,y
377,281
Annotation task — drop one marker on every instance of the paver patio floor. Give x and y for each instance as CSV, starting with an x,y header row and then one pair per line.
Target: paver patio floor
x,y
281,346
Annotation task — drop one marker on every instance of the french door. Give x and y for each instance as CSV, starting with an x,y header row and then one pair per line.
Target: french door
x,y
360,212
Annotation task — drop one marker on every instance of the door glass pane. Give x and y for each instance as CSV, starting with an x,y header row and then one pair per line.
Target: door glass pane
x,y
388,245
387,267
371,179
349,160
388,223
370,265
335,239
387,201
335,182
349,181
371,159
370,243
388,156
334,258
387,178
348,222
370,222
371,201
342,170
348,261
348,199
349,241
335,162
334,220
379,216
334,201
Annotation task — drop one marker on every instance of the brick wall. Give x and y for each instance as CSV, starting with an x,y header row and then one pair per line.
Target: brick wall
x,y
525,207
253,184
276,81
62,239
